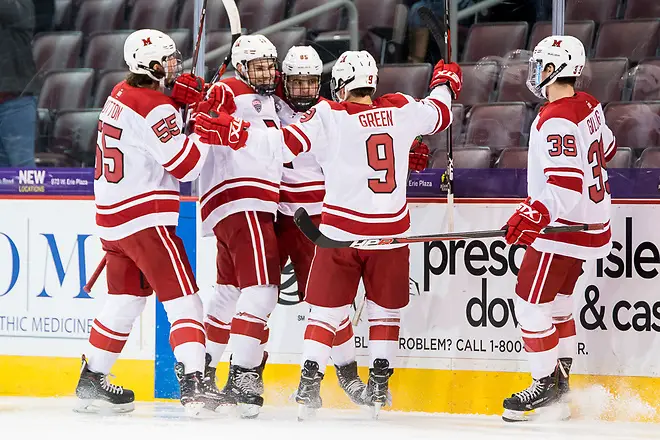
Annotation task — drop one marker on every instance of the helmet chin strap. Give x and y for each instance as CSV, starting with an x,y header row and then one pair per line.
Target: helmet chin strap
x,y
543,87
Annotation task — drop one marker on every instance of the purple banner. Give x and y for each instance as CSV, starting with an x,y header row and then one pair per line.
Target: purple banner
x,y
54,182
47,181
625,183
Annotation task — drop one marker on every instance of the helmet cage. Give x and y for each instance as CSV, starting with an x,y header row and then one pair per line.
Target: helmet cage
x,y
301,97
267,83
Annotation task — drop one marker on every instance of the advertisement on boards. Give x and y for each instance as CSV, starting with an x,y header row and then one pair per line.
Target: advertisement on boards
x,y
48,251
461,313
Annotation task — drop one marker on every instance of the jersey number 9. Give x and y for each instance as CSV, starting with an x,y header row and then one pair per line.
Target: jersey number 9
x,y
380,157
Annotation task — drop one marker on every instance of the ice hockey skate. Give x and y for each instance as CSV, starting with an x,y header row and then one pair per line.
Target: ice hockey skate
x,y
195,394
308,395
563,375
245,386
542,393
350,382
376,393
97,395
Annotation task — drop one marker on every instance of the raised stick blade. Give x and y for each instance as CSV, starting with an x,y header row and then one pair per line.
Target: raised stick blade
x,y
434,26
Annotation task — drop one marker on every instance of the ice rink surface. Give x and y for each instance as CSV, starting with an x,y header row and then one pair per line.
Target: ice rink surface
x,y
35,418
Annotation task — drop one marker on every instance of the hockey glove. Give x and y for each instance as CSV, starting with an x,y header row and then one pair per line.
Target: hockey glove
x,y
187,89
222,130
418,158
219,98
527,222
449,74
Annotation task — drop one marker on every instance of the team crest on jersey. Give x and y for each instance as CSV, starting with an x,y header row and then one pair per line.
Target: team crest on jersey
x,y
257,105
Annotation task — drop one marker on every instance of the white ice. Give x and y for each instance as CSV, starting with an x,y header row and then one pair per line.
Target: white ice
x,y
45,418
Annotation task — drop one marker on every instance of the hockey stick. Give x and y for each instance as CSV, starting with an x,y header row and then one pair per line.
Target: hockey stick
x,y
235,26
309,229
200,32
88,287
442,33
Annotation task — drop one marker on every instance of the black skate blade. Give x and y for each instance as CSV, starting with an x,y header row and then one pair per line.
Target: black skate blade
x,y
559,411
248,411
98,406
193,409
306,412
375,410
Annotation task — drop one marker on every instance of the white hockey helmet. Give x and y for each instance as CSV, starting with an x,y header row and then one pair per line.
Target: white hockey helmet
x,y
353,70
301,72
564,52
255,59
153,53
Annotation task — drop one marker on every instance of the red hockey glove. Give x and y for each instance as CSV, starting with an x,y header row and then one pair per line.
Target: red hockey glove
x,y
527,222
418,158
222,130
449,74
219,98
187,89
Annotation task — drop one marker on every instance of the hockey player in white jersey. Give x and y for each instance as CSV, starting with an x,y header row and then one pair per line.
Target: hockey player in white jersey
x,y
569,146
363,148
141,156
303,186
240,195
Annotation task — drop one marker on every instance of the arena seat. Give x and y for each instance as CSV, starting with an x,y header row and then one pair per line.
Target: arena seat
x,y
642,9
597,10
66,89
411,79
633,39
623,158
513,84
74,135
582,30
57,50
650,158
100,16
646,80
324,22
605,79
512,158
107,80
106,50
472,157
497,126
494,39
479,81
148,14
634,124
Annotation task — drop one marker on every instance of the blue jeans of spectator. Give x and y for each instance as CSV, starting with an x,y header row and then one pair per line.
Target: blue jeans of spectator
x,y
18,126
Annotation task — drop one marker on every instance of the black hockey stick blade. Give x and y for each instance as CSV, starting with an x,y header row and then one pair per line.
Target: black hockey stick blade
x,y
309,229
437,29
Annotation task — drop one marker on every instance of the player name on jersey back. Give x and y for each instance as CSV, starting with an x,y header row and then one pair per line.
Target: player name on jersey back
x,y
363,152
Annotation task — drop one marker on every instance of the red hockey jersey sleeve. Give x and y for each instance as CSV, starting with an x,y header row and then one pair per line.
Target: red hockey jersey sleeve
x,y
182,156
562,160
